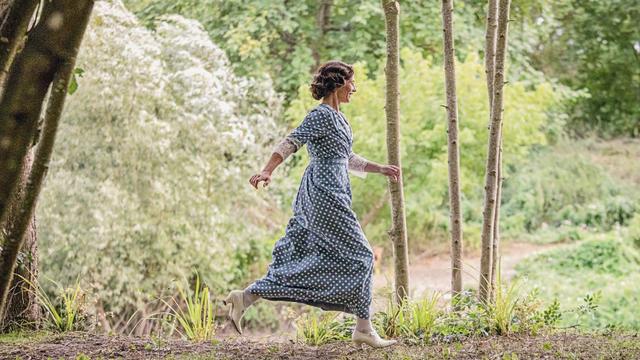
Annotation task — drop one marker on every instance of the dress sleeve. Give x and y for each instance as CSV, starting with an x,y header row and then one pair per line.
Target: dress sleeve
x,y
314,126
285,148
357,164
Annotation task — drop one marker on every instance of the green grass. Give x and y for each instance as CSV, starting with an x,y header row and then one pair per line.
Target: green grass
x,y
604,264
25,337
316,328
63,310
195,312
414,321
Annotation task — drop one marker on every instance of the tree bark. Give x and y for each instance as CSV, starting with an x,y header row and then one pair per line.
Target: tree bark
x,y
489,62
23,310
455,217
490,48
398,233
12,32
48,55
323,19
496,225
486,259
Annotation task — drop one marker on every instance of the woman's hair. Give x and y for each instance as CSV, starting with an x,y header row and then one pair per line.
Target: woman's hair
x,y
330,76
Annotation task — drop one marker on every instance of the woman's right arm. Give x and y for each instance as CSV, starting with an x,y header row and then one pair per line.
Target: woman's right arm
x,y
284,148
314,126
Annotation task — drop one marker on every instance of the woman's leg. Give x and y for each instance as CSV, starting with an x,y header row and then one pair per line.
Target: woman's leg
x,y
364,325
364,333
249,298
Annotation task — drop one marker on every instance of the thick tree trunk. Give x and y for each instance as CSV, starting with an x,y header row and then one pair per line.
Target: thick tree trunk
x,y
15,126
484,290
398,233
49,54
23,310
453,149
12,31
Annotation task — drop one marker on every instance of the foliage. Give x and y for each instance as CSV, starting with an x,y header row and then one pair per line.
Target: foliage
x,y
413,320
197,321
503,308
562,187
592,45
286,40
145,181
634,230
605,265
427,319
317,328
424,146
600,254
66,311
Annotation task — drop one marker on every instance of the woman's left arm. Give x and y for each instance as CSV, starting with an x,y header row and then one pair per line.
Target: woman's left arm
x,y
360,164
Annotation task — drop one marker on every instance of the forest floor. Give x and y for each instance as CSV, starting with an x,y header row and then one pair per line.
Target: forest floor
x,y
84,346
432,271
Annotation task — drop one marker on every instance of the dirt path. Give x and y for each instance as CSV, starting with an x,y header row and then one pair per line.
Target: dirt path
x,y
433,273
566,345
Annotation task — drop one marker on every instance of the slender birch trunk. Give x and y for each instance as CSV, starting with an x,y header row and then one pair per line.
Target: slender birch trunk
x,y
496,226
455,216
489,62
49,56
398,233
484,290
490,49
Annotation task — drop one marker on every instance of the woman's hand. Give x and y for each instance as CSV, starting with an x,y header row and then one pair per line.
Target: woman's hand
x,y
392,171
263,176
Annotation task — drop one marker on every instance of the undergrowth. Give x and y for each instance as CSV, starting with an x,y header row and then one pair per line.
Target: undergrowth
x,y
426,320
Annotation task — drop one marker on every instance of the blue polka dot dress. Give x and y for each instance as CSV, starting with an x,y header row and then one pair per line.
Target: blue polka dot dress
x,y
324,258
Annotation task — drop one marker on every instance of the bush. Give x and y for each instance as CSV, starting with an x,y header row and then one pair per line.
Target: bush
x,y
634,230
148,179
602,263
560,186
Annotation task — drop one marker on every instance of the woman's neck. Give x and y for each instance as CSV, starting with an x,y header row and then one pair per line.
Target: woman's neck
x,y
333,102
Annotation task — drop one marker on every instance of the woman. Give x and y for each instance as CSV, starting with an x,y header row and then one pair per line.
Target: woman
x,y
324,258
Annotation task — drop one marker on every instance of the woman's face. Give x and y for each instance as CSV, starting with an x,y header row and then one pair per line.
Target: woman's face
x,y
345,91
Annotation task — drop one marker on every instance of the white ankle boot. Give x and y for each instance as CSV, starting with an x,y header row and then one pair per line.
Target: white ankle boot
x,y
370,338
236,299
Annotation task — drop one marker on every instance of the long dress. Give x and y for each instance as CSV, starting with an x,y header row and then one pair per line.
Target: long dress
x,y
324,258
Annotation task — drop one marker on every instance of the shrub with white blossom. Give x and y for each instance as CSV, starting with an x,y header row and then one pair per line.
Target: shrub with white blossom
x,y
148,180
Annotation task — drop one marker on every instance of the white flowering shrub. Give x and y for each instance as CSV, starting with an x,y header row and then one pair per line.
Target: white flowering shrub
x,y
149,178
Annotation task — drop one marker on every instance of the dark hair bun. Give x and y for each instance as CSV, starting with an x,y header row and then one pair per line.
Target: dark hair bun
x,y
329,77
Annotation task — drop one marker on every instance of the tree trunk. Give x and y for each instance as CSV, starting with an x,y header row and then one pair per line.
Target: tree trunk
x,y
12,32
489,62
492,155
323,18
496,226
23,310
490,49
398,233
49,54
455,216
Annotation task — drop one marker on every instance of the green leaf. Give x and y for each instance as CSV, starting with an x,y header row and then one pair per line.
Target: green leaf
x,y
73,83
